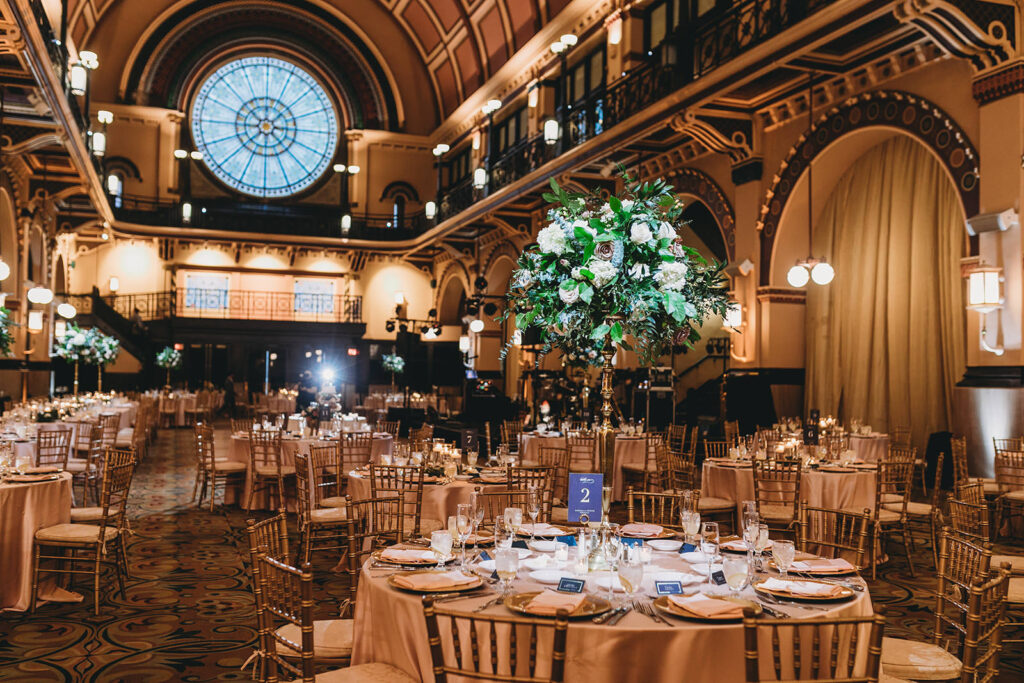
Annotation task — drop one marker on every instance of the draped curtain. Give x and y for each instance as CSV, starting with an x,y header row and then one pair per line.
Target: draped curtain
x,y
885,341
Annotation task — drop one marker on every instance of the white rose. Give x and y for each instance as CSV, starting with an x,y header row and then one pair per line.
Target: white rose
x,y
568,296
627,204
638,271
671,275
640,233
78,339
585,225
666,231
603,271
551,240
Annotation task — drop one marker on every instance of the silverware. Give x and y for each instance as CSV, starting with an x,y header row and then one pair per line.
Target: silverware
x,y
489,603
445,597
845,583
618,617
601,618
793,603
771,611
645,608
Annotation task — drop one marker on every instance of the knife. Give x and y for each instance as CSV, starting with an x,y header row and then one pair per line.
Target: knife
x,y
614,620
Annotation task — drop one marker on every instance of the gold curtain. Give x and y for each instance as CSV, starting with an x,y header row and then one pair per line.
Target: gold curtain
x,y
885,341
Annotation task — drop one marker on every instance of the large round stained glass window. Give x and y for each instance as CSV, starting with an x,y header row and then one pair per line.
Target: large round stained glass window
x,y
265,127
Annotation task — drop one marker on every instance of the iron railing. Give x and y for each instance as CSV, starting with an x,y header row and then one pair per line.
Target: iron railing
x,y
520,159
195,302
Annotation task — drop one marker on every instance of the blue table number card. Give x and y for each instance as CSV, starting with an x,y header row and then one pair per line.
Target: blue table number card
x,y
668,587
567,585
585,496
718,578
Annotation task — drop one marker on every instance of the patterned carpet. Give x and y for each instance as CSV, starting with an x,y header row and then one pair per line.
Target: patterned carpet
x,y
188,614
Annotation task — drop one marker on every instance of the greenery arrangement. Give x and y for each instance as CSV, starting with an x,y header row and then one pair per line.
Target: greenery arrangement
x,y
77,345
6,338
615,271
169,358
105,347
393,363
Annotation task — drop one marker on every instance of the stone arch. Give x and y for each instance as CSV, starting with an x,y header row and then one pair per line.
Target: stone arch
x,y
699,185
897,110
452,286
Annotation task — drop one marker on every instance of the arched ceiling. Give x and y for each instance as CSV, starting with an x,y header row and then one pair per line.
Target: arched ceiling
x,y
429,55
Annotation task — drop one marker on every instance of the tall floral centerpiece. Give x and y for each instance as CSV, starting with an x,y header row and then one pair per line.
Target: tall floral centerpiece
x,y
169,359
6,338
76,347
615,272
106,350
394,364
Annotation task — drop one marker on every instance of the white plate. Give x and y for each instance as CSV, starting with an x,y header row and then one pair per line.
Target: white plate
x,y
542,562
694,557
486,565
684,578
551,576
665,545
702,568
546,546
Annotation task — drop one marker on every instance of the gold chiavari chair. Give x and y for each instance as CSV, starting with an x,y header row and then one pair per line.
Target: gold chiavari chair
x,y
731,429
582,448
406,483
777,493
1014,443
926,515
900,436
960,564
958,448
898,453
271,534
1009,466
391,427
676,438
557,459
485,452
328,477
892,489
838,650
82,431
242,425
494,503
266,469
423,433
168,411
541,478
654,508
287,595
356,450
511,434
496,657
92,545
838,530
89,468
53,447
691,447
319,528
969,491
646,473
716,449
212,470
986,612
134,437
110,422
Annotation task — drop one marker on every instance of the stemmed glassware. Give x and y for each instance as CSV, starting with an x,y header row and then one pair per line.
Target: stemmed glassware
x,y
709,543
783,553
631,570
736,570
441,544
610,549
464,525
761,544
502,533
533,509
506,564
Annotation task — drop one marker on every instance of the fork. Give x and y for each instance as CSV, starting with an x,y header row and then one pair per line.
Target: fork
x,y
793,603
489,603
645,608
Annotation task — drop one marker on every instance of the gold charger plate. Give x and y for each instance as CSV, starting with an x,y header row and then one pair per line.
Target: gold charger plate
x,y
378,556
480,539
590,607
31,478
473,585
816,572
735,464
845,593
837,470
668,607
562,532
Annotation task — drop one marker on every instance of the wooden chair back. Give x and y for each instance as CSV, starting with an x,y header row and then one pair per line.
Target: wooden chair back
x,y
326,474
582,447
777,486
118,470
110,423
53,447
391,427
677,438
716,449
493,503
1009,467
511,433
402,484
265,451
836,530
303,488
355,451
271,534
287,595
969,521
968,491
242,425
986,618
960,563
898,453
732,431
557,459
542,478
654,508
900,436
892,486
958,448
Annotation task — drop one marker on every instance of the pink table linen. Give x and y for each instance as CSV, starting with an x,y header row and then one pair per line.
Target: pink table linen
x,y
390,628
439,500
629,450
870,447
24,509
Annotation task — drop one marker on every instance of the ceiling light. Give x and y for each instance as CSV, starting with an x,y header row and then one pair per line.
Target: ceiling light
x,y
89,59
464,344
99,143
476,326
551,131
568,39
79,79
822,273
798,276
105,235
196,155
5,270
40,295
180,154
66,310
105,117
480,178
339,168
558,47
353,169
114,284
430,210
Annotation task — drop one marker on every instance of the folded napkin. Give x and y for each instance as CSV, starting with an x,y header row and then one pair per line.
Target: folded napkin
x,y
548,602
480,538
736,545
823,565
432,581
708,608
542,529
408,555
642,529
29,478
49,469
812,589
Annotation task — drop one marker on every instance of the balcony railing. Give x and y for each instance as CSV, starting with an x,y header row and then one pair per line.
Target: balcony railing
x,y
194,302
309,220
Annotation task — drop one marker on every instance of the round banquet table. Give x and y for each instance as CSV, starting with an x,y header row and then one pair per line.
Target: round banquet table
x,y
836,490
391,629
629,450
239,452
440,501
24,509
275,404
870,447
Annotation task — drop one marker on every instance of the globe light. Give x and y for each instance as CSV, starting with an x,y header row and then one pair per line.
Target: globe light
x,y
464,344
822,273
798,276
180,154
66,310
5,271
40,295
476,326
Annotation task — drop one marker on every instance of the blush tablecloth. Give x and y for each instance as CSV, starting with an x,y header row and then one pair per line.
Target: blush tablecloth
x,y
439,500
24,509
870,447
390,628
629,450
239,452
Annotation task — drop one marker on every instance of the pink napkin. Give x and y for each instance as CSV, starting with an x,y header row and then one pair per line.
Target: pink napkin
x,y
823,565
808,588
642,529
548,602
707,607
409,555
434,580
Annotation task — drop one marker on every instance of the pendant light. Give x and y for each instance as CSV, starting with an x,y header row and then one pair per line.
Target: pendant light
x,y
817,270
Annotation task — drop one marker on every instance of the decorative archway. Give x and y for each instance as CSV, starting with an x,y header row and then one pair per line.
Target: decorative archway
x,y
690,181
898,110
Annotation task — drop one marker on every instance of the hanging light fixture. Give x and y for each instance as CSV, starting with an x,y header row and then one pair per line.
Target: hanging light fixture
x,y
464,344
480,178
35,321
551,131
5,271
40,295
66,310
430,210
810,269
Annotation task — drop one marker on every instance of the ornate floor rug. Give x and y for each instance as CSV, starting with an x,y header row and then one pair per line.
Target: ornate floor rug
x,y
188,614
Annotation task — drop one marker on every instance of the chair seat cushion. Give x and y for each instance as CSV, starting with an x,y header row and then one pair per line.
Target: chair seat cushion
x,y
710,503
990,486
918,661
326,515
530,463
271,471
230,466
77,466
776,513
1016,562
332,639
885,515
86,514
914,508
124,437
891,498
74,533
333,502
1014,495
636,468
1015,593
364,673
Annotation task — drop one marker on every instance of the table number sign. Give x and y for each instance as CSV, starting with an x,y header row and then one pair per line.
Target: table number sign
x,y
567,585
718,578
811,428
668,587
585,496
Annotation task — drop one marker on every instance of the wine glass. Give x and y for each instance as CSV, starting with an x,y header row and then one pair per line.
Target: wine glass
x,y
464,526
783,553
610,550
502,533
709,543
737,571
691,524
441,544
533,509
631,571
506,564
471,458
514,518
762,542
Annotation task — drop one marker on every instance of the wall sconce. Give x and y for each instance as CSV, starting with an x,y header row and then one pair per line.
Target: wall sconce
x,y
476,140
464,344
353,169
114,284
5,270
40,295
186,213
66,310
35,321
79,79
614,26
568,39
480,178
195,155
983,296
551,131
476,326
60,328
532,96
430,210
346,224
99,143
733,319
440,149
180,154
491,107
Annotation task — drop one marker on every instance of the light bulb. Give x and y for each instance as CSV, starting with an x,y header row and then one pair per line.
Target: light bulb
x,y
66,310
822,273
5,271
40,295
430,210
797,276
476,326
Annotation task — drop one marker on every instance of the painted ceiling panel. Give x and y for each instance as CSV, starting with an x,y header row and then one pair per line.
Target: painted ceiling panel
x,y
448,12
468,60
524,21
494,39
423,28
445,77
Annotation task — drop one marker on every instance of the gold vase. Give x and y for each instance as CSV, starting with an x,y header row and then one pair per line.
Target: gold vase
x,y
99,378
168,383
606,435
76,378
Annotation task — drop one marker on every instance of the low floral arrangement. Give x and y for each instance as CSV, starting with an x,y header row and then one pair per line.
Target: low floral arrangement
x,y
393,363
77,345
6,338
48,415
615,271
169,358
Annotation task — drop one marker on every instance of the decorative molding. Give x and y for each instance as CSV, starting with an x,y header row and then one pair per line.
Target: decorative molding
x,y
700,185
781,295
727,136
954,24
998,85
895,109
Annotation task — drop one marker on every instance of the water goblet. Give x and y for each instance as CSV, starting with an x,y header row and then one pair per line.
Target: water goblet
x,y
533,509
506,564
783,553
441,544
464,527
709,543
502,533
514,518
691,524
737,571
631,571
